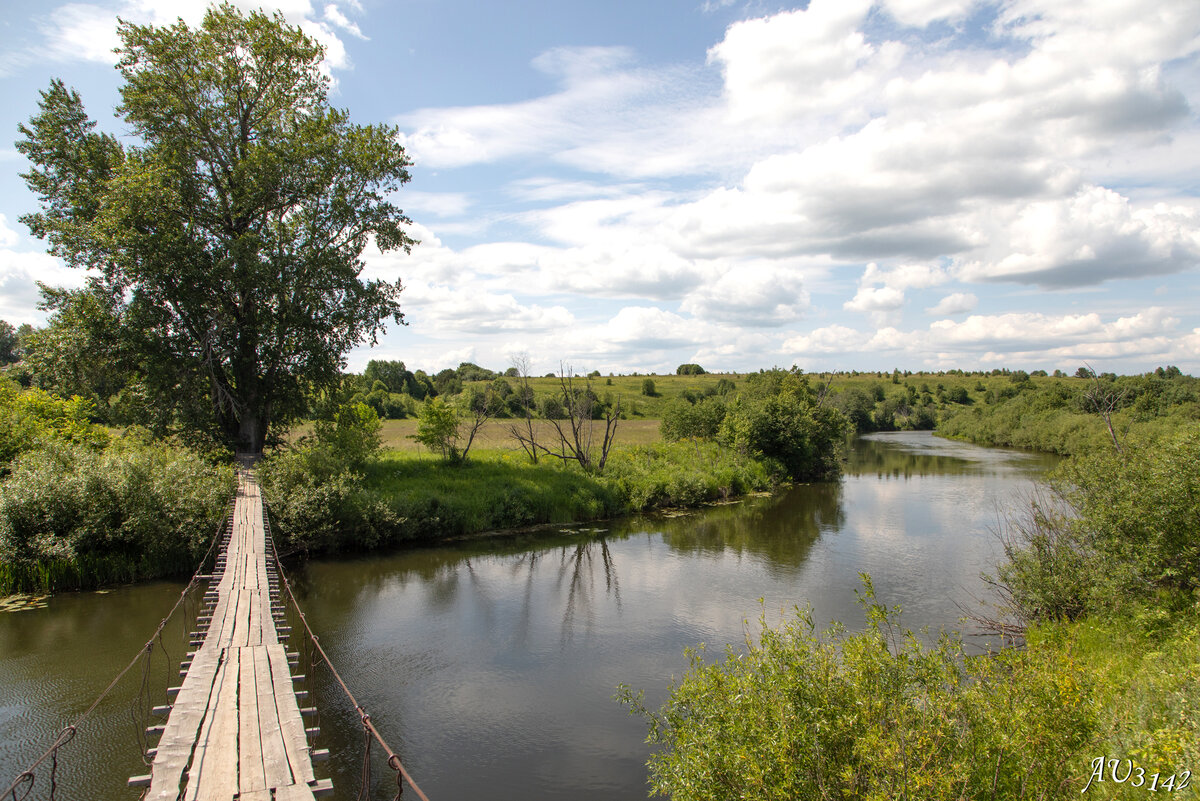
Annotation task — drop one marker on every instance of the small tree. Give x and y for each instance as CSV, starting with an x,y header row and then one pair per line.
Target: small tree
x,y
648,388
353,434
437,428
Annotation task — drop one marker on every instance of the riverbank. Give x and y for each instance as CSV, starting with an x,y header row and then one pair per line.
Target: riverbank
x,y
412,497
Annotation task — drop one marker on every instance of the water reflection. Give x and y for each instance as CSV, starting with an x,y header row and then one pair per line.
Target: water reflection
x,y
780,529
908,454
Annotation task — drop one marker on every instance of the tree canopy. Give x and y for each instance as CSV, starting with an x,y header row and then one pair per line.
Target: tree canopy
x,y
227,239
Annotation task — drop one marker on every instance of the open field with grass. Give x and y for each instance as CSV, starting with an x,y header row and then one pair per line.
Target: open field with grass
x,y
495,435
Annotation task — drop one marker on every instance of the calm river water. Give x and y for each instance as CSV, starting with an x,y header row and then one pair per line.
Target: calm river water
x,y
490,665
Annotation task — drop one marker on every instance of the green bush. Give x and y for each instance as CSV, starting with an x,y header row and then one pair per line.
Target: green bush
x,y
353,435
779,418
1116,528
317,502
872,715
84,516
701,419
31,417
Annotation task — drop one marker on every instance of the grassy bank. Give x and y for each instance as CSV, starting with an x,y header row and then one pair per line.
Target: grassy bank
x,y
410,496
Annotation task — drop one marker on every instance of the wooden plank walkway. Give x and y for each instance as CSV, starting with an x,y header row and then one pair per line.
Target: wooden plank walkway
x,y
235,731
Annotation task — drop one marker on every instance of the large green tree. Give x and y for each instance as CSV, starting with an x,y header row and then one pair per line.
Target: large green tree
x,y
230,230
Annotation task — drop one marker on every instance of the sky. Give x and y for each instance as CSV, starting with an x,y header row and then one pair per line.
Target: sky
x,y
838,185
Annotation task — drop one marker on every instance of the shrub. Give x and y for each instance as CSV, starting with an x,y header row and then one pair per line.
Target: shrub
x,y
437,428
29,418
353,435
132,511
683,474
778,418
318,503
683,420
873,715
648,388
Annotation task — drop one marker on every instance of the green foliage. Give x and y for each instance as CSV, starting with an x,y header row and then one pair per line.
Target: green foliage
x,y
1123,531
872,715
437,428
73,516
229,232
317,502
10,345
682,474
648,388
701,419
779,418
858,406
1057,414
32,418
689,369
353,435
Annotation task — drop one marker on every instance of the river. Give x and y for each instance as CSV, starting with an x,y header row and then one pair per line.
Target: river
x,y
490,665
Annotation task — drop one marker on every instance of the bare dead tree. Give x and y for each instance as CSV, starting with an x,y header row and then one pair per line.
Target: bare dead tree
x,y
525,432
478,407
1104,401
576,435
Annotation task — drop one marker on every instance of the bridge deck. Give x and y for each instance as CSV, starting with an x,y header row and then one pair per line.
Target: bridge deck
x,y
235,730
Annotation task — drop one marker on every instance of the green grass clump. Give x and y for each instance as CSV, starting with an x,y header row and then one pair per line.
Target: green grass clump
x,y
686,473
319,505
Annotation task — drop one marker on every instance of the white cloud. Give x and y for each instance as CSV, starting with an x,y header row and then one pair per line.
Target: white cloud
x,y
816,59
88,32
954,303
335,17
1093,236
920,13
438,204
875,299
751,294
8,237
20,273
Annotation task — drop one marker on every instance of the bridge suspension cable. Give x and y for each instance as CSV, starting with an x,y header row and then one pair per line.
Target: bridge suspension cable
x,y
370,732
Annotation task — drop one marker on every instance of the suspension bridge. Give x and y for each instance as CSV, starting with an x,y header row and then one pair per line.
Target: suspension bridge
x,y
235,729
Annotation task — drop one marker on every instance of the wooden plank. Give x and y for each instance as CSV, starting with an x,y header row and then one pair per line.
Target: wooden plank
x,y
294,792
251,773
277,770
235,719
214,772
295,742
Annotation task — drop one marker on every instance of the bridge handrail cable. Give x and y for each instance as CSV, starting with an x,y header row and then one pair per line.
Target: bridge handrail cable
x,y
393,760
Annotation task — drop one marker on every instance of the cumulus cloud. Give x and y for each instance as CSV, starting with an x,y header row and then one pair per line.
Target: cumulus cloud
x,y
954,303
1092,236
755,294
875,299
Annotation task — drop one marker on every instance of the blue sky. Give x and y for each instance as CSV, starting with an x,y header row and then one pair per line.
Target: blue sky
x,y
923,184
